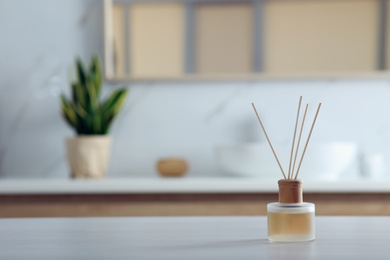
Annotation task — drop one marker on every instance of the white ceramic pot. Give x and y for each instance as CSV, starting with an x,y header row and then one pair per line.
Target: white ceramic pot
x,y
322,160
88,156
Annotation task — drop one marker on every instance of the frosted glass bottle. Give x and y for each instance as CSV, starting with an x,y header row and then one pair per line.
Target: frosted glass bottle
x,y
291,219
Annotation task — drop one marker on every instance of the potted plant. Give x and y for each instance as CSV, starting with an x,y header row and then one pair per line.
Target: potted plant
x,y
88,153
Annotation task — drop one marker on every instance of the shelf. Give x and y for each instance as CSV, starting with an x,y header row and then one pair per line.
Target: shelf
x,y
182,185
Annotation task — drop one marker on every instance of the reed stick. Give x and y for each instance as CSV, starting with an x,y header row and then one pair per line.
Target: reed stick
x,y
307,142
293,142
269,142
299,140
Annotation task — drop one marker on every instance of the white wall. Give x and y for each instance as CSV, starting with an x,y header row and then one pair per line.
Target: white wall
x,y
41,38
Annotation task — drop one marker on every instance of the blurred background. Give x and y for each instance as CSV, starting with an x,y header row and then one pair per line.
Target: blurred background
x,y
192,69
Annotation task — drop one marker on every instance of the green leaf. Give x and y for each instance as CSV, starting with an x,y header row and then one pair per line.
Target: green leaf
x,y
82,76
93,99
82,127
96,124
112,106
107,121
79,95
114,101
96,75
85,113
68,112
80,110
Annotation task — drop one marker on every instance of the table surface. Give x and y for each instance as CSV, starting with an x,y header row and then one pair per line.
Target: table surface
x,y
183,185
188,238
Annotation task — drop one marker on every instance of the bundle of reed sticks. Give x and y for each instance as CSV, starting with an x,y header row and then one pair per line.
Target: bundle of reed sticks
x,y
291,168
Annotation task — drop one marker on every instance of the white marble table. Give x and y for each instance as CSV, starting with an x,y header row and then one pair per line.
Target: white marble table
x,y
188,238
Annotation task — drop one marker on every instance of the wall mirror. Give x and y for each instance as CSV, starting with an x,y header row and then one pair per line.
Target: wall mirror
x,y
200,39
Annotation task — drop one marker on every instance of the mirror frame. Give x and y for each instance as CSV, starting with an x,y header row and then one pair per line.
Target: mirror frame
x,y
190,74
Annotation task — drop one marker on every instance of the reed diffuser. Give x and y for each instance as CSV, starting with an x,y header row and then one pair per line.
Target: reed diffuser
x,y
291,219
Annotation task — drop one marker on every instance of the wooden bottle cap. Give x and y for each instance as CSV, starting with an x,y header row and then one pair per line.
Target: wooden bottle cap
x,y
290,191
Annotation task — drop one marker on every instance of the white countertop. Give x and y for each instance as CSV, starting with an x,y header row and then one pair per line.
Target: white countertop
x,y
189,238
182,185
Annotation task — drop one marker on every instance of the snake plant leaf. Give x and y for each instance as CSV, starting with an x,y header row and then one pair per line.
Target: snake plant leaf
x,y
81,74
96,123
111,107
79,95
83,127
114,101
83,119
68,112
84,111
78,109
93,99
96,75
107,122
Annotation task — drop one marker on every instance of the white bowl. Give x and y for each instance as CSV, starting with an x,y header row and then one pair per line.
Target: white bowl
x,y
323,160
